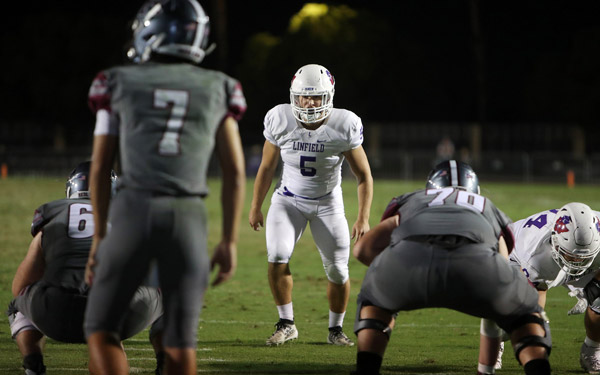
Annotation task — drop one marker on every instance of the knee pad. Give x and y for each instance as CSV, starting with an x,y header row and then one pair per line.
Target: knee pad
x,y
595,306
337,273
532,340
375,324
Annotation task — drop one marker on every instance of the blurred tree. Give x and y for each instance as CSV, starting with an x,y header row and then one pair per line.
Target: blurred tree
x,y
386,66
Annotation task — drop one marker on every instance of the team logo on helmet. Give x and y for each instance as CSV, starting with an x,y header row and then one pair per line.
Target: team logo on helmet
x,y
330,77
561,224
598,224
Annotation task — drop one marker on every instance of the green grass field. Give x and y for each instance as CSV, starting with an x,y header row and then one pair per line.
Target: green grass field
x,y
239,316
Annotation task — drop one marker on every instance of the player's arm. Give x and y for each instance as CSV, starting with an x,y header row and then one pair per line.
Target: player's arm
x,y
233,190
103,156
262,183
502,248
375,241
31,268
359,164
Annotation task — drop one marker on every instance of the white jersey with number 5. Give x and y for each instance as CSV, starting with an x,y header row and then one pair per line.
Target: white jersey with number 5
x,y
312,159
533,252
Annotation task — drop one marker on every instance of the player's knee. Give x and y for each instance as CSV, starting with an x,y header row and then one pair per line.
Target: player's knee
x,y
374,318
157,328
527,334
595,306
19,323
279,255
337,273
489,328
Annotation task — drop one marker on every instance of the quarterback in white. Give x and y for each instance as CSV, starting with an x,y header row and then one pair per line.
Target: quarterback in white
x,y
312,138
557,248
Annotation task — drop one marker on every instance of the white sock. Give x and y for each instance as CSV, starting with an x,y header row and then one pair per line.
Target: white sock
x,y
336,319
591,343
286,311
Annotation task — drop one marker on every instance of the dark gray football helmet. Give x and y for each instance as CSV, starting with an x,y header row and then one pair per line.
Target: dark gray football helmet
x,y
77,185
453,173
177,28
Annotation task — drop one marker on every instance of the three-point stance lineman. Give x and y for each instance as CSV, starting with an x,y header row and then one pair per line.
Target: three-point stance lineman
x,y
553,248
439,247
312,138
50,296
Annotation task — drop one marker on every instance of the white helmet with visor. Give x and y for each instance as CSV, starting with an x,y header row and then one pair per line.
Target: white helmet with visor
x,y
575,238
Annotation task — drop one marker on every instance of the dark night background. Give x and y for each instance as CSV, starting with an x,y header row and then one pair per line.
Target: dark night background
x,y
500,64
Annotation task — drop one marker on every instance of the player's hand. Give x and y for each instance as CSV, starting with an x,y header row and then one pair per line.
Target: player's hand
x,y
91,263
359,229
255,218
225,256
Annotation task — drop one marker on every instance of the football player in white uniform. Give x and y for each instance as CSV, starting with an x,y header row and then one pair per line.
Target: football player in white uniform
x,y
313,139
552,248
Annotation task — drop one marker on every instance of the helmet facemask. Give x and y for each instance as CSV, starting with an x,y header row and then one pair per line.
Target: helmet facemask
x,y
575,238
573,264
311,115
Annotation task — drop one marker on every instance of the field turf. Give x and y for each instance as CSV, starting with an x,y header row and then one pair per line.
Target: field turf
x,y
239,315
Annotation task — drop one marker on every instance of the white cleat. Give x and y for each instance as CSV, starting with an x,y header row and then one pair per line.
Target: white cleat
x,y
589,359
283,332
338,337
498,364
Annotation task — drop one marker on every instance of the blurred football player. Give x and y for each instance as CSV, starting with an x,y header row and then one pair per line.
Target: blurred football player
x,y
163,116
50,295
553,248
313,139
441,247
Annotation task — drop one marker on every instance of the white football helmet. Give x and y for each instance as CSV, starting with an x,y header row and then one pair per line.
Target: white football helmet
x,y
575,238
312,80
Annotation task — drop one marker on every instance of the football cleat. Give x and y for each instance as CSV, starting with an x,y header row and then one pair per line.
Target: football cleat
x,y
338,337
498,364
285,330
589,359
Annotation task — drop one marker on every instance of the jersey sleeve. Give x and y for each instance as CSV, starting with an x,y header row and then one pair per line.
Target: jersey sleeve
x,y
274,124
99,96
39,220
391,209
394,206
505,228
356,132
236,101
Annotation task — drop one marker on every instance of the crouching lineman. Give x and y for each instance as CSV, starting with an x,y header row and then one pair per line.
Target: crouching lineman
x,y
553,248
50,296
419,257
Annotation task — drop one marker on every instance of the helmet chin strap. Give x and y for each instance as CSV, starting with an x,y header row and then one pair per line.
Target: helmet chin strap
x,y
562,275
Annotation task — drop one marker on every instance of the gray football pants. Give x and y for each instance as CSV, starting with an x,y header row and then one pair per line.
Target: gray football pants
x,y
471,279
143,228
58,313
